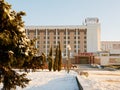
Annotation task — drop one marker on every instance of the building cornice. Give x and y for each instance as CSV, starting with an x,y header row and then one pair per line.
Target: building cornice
x,y
57,27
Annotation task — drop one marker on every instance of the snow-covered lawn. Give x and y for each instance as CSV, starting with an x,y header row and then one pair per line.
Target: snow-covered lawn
x,y
101,80
45,80
97,80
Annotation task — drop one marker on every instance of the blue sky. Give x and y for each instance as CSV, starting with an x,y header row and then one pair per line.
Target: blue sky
x,y
72,12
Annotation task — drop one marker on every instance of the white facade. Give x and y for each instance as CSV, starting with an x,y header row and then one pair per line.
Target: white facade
x,y
111,46
93,34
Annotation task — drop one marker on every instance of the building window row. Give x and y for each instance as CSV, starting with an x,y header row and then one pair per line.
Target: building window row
x,y
58,37
38,37
54,32
44,42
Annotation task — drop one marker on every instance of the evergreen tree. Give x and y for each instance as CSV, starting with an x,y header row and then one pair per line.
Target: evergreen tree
x,y
55,66
50,54
15,47
50,60
50,63
43,58
43,61
59,58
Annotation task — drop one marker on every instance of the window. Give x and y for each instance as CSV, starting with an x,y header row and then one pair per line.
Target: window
x,y
58,41
64,46
47,46
74,33
64,54
74,46
37,46
38,37
44,42
64,33
48,42
68,42
38,33
54,42
64,37
116,46
47,33
74,50
44,33
68,37
68,33
74,37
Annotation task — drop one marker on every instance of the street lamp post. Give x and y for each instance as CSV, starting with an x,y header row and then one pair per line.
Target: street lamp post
x,y
68,58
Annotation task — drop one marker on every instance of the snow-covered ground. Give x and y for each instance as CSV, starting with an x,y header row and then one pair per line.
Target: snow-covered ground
x,y
101,80
96,80
45,80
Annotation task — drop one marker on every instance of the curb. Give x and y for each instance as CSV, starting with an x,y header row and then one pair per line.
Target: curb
x,y
79,85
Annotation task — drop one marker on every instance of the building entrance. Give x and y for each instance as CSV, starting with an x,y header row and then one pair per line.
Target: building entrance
x,y
83,60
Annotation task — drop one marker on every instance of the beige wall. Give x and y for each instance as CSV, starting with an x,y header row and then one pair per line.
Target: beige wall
x,y
81,38
77,43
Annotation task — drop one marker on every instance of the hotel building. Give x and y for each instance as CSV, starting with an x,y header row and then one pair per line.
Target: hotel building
x,y
81,38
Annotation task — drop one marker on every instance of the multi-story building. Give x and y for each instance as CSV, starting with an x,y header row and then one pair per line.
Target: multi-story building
x,y
113,47
109,54
81,38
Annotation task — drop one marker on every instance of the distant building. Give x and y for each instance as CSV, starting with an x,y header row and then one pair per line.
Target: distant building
x,y
109,54
82,38
113,47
